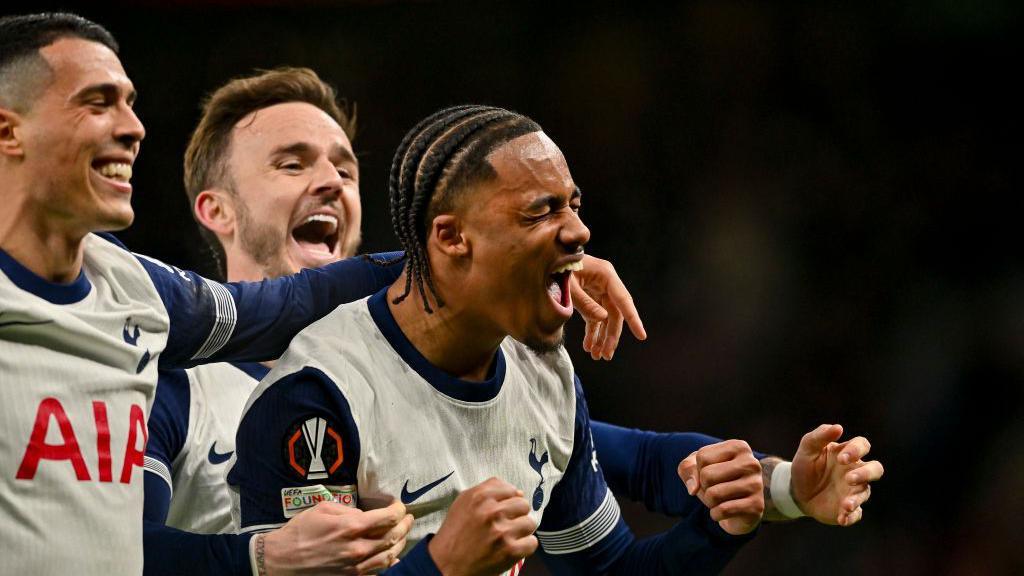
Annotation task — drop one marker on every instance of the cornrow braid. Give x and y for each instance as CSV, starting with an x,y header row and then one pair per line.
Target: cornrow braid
x,y
438,159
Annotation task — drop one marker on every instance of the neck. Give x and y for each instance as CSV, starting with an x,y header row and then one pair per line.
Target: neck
x,y
39,242
452,338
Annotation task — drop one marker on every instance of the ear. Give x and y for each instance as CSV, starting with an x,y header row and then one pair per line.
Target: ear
x,y
215,211
10,143
446,234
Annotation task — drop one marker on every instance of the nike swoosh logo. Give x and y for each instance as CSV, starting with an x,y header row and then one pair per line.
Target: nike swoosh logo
x,y
410,497
217,458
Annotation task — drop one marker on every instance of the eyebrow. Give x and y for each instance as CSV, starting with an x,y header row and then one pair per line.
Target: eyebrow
x,y
299,148
107,89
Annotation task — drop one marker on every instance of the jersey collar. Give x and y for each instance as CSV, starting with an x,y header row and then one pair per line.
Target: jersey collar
x,y
53,292
443,382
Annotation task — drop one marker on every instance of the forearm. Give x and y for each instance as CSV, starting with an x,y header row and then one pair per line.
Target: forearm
x,y
272,312
694,546
171,552
642,465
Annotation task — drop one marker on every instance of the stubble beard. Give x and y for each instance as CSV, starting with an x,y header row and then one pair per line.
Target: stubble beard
x,y
262,242
542,348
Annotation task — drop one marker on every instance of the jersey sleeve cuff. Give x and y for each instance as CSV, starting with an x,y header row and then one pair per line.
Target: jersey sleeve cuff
x,y
417,562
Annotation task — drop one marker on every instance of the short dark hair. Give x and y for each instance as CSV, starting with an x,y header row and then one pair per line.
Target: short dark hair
x,y
440,158
22,36
225,107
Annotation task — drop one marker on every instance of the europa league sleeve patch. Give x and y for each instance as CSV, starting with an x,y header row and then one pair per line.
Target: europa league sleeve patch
x,y
313,449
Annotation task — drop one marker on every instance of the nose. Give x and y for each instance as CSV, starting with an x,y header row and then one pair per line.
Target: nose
x,y
326,180
128,129
575,234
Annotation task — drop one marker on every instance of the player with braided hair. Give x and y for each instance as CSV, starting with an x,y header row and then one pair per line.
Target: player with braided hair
x,y
455,395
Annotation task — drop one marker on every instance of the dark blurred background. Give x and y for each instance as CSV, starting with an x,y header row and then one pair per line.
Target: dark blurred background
x,y
814,205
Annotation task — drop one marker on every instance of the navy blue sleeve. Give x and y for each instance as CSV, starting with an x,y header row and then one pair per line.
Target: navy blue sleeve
x,y
171,552
255,321
416,563
298,432
641,465
582,531
168,430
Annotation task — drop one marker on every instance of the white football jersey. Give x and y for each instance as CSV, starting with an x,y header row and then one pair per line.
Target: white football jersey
x,y
192,437
78,373
362,407
77,377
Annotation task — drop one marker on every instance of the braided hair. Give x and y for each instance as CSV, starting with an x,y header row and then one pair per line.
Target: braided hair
x,y
439,159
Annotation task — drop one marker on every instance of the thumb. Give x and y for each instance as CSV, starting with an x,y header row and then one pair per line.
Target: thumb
x,y
689,473
816,440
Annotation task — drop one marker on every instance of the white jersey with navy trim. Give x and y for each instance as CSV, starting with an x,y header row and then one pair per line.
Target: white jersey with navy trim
x,y
361,406
77,377
78,373
192,437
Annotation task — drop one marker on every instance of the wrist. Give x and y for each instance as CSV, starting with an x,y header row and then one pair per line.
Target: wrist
x,y
438,554
781,491
257,555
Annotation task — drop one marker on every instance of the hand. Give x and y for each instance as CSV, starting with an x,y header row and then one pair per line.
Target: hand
x,y
603,301
726,477
487,530
830,481
337,539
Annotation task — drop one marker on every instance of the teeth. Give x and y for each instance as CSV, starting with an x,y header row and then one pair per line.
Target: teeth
x,y
323,218
571,266
117,170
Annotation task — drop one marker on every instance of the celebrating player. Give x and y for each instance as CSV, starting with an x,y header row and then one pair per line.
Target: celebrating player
x,y
433,395
262,223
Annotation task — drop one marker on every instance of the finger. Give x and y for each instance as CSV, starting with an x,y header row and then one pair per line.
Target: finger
x,y
740,466
614,331
588,335
511,508
519,527
854,450
589,309
689,473
751,506
384,559
721,452
593,334
383,519
869,472
816,440
623,302
738,489
497,489
857,500
523,547
597,351
851,518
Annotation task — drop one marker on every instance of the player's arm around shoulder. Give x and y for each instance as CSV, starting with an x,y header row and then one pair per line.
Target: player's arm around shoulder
x,y
297,449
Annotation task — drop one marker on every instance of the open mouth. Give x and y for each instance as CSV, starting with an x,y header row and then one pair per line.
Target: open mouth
x,y
558,283
318,233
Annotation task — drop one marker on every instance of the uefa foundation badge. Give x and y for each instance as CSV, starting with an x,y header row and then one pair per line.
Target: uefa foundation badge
x,y
295,500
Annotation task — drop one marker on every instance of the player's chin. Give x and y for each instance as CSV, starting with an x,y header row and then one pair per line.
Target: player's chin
x,y
548,343
115,216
